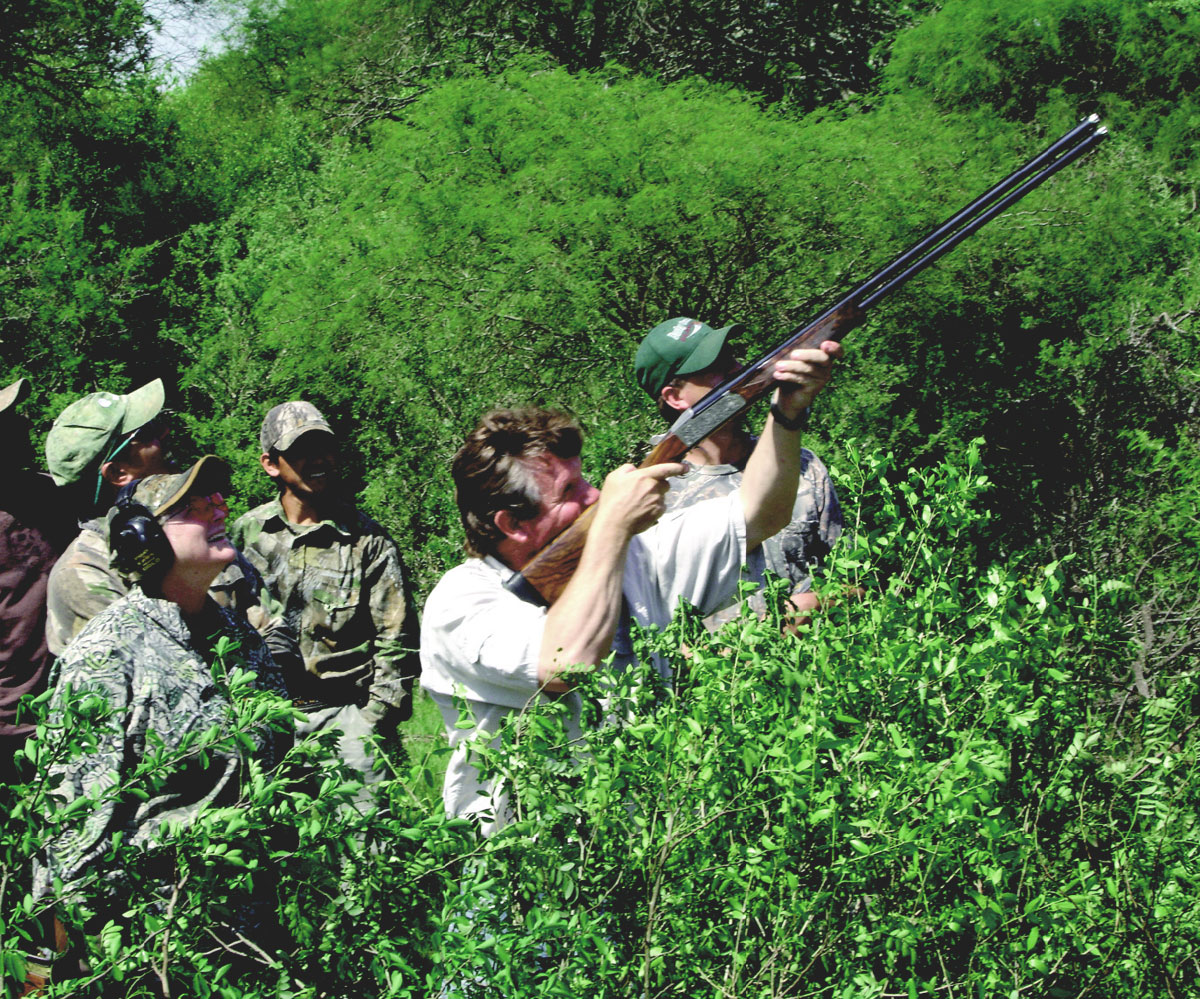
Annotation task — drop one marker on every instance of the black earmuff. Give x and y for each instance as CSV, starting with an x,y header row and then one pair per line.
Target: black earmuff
x,y
138,544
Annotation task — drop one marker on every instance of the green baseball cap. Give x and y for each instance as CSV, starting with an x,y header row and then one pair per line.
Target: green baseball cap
x,y
680,346
86,430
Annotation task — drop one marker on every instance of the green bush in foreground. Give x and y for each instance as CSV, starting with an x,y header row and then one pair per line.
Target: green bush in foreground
x,y
926,793
919,797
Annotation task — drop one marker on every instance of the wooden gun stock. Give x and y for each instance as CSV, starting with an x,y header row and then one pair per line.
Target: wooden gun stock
x,y
548,572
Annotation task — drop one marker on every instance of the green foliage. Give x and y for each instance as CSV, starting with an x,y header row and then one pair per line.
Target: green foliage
x,y
304,54
256,898
92,199
57,50
911,799
1133,61
514,239
924,792
806,54
978,780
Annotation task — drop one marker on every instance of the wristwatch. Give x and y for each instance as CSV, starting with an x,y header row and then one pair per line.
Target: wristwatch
x,y
799,423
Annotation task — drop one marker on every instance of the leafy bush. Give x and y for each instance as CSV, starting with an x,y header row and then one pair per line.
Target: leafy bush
x,y
978,779
1132,61
914,798
515,238
293,890
924,792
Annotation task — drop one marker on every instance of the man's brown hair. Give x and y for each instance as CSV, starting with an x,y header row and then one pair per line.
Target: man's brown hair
x,y
491,470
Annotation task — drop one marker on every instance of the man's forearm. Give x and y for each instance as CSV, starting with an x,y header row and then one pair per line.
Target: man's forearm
x,y
773,472
770,482
580,626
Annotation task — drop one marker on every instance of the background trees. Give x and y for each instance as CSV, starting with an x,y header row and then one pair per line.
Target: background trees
x,y
409,211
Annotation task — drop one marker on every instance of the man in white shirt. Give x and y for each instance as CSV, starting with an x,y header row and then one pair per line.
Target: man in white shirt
x,y
518,483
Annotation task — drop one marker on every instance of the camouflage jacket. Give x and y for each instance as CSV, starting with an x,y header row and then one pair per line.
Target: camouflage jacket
x,y
345,604
793,552
82,584
164,689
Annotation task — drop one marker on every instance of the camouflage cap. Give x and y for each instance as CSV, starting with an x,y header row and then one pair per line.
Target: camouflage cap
x,y
85,431
677,347
162,494
17,392
287,422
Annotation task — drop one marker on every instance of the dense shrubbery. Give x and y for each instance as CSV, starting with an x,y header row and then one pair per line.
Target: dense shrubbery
x,y
341,894
517,236
924,792
919,796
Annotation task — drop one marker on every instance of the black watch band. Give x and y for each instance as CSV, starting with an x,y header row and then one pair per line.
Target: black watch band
x,y
799,423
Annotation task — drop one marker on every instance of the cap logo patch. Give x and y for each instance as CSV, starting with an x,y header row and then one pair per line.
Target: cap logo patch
x,y
684,329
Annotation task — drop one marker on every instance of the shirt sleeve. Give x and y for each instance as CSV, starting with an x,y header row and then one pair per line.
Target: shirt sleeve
x,y
481,641
95,773
397,661
81,585
830,520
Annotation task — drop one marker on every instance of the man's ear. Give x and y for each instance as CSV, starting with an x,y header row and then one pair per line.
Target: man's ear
x,y
670,395
269,466
116,473
509,526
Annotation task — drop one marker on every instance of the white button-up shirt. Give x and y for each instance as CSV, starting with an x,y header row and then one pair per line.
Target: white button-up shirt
x,y
480,643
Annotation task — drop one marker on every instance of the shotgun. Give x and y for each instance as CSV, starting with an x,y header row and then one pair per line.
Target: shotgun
x,y
549,571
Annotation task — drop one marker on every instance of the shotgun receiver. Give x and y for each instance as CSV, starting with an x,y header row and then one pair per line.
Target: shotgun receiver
x,y
547,574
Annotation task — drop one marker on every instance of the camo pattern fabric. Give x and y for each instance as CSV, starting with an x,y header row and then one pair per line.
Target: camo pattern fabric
x,y
288,422
82,584
344,599
792,553
163,688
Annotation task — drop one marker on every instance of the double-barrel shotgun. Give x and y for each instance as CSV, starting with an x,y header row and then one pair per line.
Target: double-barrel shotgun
x,y
546,575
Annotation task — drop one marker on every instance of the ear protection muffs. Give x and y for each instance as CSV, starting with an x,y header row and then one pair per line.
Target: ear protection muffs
x,y
138,545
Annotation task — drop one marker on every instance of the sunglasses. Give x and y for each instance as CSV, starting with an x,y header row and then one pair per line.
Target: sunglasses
x,y
201,507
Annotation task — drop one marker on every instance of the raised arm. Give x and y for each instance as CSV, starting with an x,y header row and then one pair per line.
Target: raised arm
x,y
772,474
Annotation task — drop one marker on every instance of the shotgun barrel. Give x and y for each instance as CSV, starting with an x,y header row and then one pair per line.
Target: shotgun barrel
x,y
548,573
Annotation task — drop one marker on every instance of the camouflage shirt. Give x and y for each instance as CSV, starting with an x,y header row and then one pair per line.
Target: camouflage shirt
x,y
816,524
82,584
162,690
345,603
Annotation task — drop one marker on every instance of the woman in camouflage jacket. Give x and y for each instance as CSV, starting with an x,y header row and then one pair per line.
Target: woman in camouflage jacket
x,y
164,746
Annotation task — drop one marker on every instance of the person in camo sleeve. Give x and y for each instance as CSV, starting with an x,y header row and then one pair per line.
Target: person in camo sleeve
x,y
349,637
677,364
98,444
152,655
